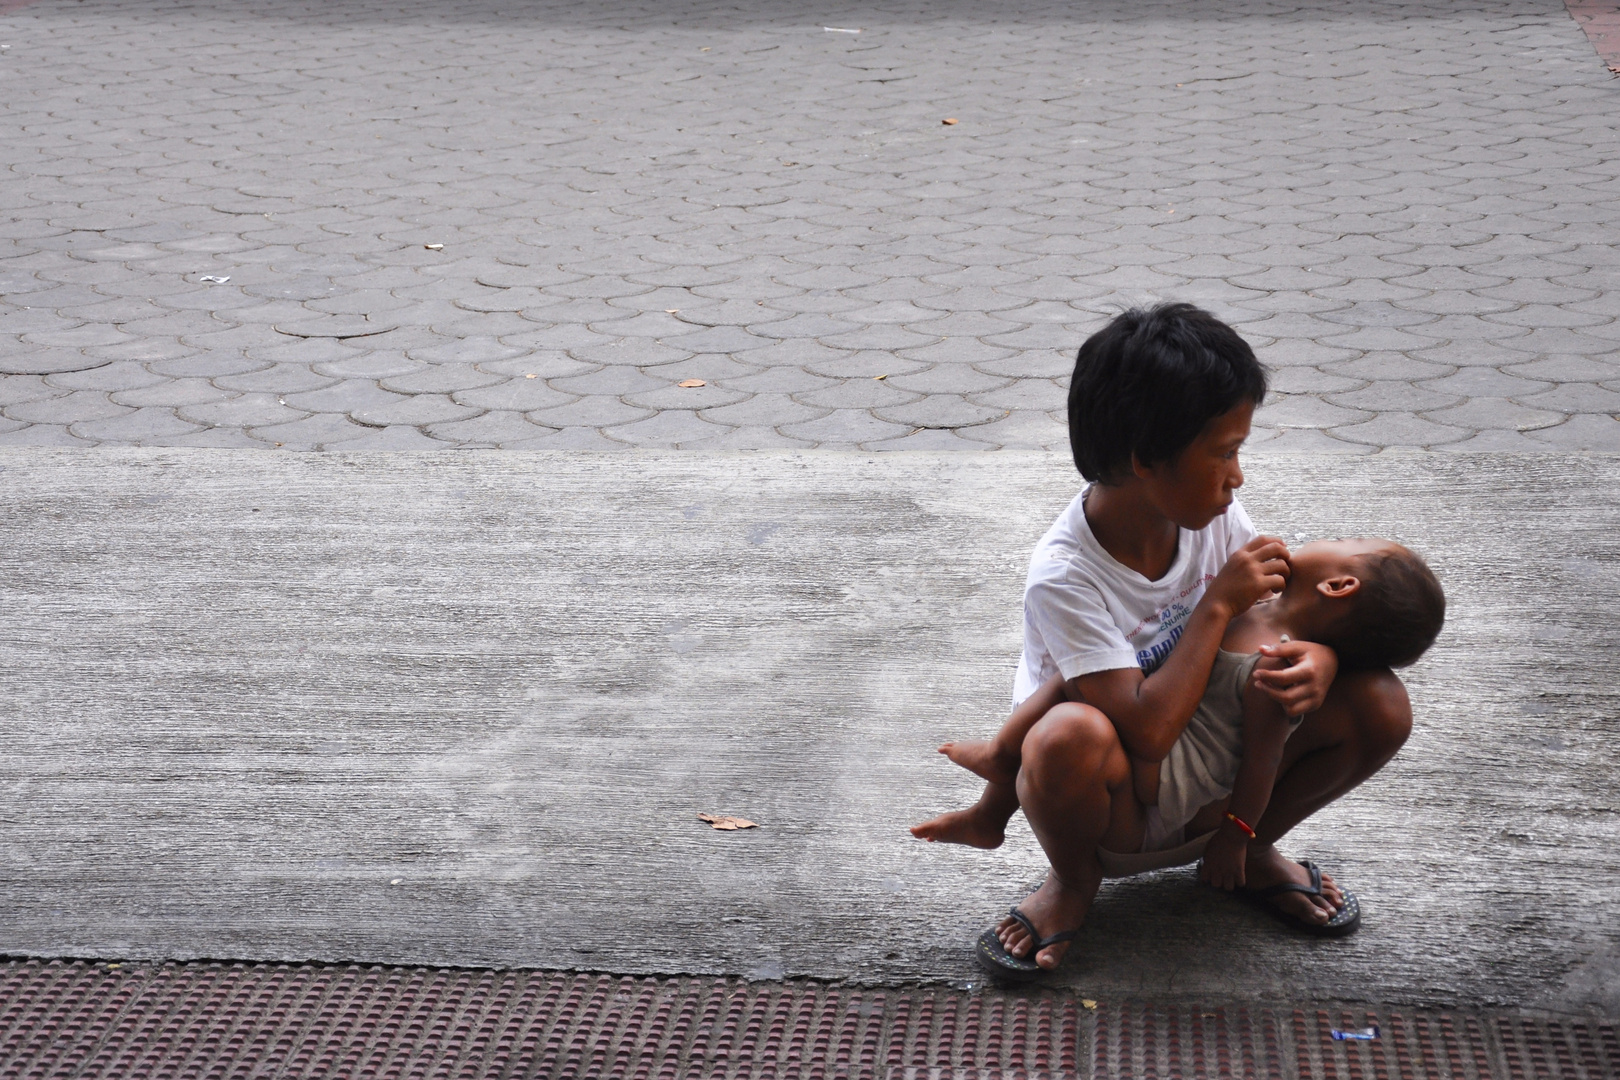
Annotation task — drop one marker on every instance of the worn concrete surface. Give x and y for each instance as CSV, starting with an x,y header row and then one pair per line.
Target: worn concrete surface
x,y
1410,208
462,709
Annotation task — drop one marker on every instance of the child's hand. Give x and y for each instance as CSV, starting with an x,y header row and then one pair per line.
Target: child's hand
x,y
1300,682
1252,573
1224,858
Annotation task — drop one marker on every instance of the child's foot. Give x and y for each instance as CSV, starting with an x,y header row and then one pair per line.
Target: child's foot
x,y
1053,908
1267,866
971,827
978,756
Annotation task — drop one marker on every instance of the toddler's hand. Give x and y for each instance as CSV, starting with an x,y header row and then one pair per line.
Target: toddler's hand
x,y
1224,858
1252,573
1302,679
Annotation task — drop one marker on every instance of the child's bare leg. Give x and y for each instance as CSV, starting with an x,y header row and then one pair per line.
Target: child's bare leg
x,y
982,825
1364,722
997,759
1076,790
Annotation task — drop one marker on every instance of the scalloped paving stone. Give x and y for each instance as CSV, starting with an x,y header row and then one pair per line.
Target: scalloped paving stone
x,y
334,326
20,359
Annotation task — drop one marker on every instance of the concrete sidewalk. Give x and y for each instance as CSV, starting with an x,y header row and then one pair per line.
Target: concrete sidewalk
x,y
463,710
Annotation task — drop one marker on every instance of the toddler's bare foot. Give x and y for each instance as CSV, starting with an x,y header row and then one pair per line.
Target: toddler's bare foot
x,y
972,827
979,756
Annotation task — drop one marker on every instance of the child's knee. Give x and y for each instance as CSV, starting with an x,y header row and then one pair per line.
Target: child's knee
x,y
1073,736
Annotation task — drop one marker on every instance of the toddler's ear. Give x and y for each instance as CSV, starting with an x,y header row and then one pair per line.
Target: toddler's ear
x,y
1339,586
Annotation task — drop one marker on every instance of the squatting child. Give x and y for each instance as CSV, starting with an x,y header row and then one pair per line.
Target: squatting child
x,y
1130,596
1374,602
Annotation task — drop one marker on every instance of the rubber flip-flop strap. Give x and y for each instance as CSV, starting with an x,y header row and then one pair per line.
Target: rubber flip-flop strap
x,y
1313,889
1040,943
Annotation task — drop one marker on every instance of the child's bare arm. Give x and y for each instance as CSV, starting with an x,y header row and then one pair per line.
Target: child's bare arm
x,y
1145,780
1265,730
1151,711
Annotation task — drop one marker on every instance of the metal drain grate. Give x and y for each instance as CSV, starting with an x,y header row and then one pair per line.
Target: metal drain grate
x,y
63,1019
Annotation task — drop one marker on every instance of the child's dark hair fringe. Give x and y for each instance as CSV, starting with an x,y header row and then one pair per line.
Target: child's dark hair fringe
x,y
1397,616
1145,385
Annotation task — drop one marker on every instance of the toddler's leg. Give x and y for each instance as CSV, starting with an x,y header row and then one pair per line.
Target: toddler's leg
x,y
984,824
997,759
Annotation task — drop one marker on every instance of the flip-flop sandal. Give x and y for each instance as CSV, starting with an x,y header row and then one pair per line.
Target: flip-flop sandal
x,y
1347,921
1004,966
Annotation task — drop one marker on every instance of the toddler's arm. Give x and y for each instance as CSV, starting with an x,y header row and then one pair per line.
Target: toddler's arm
x,y
1265,730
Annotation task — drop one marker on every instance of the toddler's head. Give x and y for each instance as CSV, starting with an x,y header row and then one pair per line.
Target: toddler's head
x,y
1149,382
1384,605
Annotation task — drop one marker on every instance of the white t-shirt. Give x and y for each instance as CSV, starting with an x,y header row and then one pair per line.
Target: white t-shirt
x,y
1085,612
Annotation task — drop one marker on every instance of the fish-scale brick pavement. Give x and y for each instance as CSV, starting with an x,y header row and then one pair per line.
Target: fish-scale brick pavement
x,y
1412,210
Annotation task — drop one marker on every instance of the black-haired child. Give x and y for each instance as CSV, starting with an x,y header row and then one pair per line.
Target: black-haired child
x,y
1375,602
1128,598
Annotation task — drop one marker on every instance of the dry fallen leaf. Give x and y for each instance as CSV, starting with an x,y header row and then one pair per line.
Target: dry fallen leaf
x,y
689,383
948,120
880,378
672,311
1088,1003
531,375
727,823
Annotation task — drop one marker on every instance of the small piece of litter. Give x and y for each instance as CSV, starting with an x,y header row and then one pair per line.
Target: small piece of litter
x,y
949,120
672,311
114,967
531,375
879,378
726,823
704,49
214,279
1088,1003
1366,1033
690,383
434,247
396,881
839,30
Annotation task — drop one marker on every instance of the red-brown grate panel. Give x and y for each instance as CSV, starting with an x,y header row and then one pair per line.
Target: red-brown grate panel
x,y
62,1019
